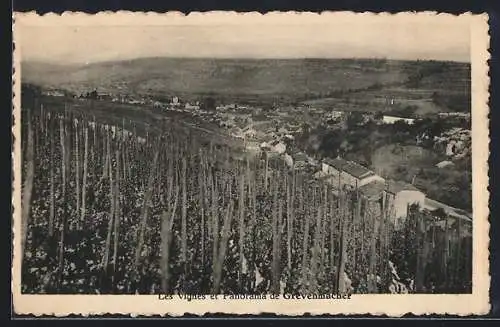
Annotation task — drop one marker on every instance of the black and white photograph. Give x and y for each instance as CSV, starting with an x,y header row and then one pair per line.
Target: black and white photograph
x,y
317,160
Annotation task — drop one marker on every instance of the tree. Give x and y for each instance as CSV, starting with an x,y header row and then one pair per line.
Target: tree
x,y
93,94
306,129
436,98
354,119
29,94
330,144
208,104
437,128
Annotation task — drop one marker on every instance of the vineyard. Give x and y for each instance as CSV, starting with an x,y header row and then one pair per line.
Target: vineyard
x,y
108,211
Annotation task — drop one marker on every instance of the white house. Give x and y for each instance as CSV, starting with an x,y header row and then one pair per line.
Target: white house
x,y
395,196
398,197
393,119
348,172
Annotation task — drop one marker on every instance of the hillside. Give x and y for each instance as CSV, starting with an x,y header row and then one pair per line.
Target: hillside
x,y
293,80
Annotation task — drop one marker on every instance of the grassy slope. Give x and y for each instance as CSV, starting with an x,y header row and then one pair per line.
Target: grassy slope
x,y
387,159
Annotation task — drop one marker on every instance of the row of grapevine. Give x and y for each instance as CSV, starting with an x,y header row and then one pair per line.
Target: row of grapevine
x,y
436,252
109,211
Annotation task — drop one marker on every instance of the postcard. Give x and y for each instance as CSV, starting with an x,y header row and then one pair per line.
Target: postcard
x,y
245,163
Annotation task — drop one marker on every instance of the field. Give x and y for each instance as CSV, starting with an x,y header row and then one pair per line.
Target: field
x,y
105,210
387,160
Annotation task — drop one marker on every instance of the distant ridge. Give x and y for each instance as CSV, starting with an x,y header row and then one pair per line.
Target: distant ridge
x,y
287,79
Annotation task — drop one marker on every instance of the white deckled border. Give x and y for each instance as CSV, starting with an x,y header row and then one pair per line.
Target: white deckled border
x,y
391,305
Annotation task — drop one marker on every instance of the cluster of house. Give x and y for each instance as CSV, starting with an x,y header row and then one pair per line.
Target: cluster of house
x,y
192,106
456,142
126,98
341,116
341,173
175,102
247,132
230,107
335,115
396,194
242,126
53,93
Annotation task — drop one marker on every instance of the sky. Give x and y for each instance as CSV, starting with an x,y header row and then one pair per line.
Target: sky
x,y
87,39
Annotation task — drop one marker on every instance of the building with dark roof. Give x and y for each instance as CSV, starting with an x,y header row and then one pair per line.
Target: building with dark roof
x,y
336,163
396,196
349,172
357,170
373,191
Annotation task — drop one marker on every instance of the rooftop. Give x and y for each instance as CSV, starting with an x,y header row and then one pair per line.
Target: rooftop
x,y
453,212
323,177
373,190
395,187
300,156
336,163
357,170
350,167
